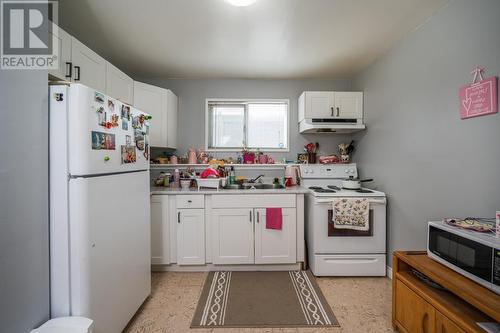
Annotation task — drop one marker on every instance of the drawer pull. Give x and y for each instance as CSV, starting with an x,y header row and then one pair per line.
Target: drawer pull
x,y
250,216
190,201
258,217
179,217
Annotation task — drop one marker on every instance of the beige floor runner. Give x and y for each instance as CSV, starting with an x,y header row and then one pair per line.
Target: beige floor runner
x,y
262,299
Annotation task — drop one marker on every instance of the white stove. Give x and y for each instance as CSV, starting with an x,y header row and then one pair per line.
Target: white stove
x,y
335,252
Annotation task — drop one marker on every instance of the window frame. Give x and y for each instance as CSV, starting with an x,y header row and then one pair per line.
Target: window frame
x,y
240,101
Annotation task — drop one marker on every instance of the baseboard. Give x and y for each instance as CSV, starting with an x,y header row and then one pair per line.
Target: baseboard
x,y
211,267
389,272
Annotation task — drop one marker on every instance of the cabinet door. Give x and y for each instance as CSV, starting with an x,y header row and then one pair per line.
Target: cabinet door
x,y
118,84
349,104
444,325
276,246
319,104
172,107
160,230
412,311
233,236
63,54
153,100
89,68
190,236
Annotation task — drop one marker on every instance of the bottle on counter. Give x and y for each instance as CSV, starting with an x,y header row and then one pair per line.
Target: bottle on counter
x,y
232,176
177,178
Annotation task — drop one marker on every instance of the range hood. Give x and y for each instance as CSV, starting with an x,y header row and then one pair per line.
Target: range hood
x,y
330,126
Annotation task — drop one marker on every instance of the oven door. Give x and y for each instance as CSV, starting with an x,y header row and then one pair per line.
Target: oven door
x,y
328,240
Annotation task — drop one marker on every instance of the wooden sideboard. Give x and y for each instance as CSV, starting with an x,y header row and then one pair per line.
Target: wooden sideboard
x,y
418,307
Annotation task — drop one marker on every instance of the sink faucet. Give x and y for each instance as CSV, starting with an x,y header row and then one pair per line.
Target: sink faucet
x,y
255,179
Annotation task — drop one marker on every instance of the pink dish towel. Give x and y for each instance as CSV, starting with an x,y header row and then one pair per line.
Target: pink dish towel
x,y
274,218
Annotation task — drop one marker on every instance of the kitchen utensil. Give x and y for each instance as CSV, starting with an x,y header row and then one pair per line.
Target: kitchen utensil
x,y
352,183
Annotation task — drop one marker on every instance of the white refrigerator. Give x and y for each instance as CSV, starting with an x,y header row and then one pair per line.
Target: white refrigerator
x,y
99,207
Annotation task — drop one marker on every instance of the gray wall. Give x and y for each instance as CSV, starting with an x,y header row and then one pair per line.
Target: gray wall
x,y
431,163
24,258
193,92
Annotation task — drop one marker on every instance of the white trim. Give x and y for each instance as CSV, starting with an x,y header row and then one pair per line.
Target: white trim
x,y
389,272
243,100
215,268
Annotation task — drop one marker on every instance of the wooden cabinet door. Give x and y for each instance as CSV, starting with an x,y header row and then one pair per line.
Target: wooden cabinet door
x,y
413,312
153,100
232,236
276,246
190,236
160,230
118,84
172,109
348,104
319,104
63,54
445,325
89,68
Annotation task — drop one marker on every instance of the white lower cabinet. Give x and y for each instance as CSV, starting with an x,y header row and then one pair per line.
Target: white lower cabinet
x,y
232,236
240,236
190,236
276,246
160,230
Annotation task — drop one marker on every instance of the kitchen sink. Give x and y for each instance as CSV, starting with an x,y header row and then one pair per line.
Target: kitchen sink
x,y
250,186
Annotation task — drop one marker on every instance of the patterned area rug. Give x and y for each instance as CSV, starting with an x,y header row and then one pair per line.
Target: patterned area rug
x,y
262,299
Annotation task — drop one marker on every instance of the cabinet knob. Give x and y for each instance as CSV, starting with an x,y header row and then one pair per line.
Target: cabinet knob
x,y
332,111
338,111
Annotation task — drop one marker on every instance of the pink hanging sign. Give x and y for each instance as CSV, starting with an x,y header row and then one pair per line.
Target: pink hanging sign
x,y
480,97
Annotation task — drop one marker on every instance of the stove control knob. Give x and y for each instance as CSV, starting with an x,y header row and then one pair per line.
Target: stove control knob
x,y
346,171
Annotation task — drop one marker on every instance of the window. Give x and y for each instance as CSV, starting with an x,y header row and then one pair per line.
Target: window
x,y
235,124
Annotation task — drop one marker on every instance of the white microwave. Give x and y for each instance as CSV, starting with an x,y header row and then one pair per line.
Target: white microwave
x,y
473,254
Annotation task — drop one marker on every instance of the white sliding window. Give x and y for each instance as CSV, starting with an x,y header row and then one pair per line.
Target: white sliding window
x,y
235,124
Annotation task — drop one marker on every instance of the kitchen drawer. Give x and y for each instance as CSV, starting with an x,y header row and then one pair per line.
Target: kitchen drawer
x,y
190,201
253,200
348,265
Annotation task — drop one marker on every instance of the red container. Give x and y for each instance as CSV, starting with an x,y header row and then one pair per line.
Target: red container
x,y
248,158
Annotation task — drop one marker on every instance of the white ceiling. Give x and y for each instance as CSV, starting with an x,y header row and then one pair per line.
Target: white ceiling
x,y
269,39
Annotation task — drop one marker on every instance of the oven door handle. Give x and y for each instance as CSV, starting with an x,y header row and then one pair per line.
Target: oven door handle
x,y
381,201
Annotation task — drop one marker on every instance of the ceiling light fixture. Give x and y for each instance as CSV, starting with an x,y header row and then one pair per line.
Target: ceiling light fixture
x,y
241,3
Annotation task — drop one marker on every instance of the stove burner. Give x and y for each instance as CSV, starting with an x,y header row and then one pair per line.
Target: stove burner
x,y
324,190
315,188
333,187
364,191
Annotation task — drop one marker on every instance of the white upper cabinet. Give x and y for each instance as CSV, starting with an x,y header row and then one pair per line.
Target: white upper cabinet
x,y
232,236
319,104
190,236
118,84
276,246
349,104
63,40
161,104
89,68
331,105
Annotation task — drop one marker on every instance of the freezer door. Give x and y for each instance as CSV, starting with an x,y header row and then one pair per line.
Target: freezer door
x,y
104,135
110,248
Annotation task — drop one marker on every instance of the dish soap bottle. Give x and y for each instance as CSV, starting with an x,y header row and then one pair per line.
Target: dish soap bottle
x,y
232,176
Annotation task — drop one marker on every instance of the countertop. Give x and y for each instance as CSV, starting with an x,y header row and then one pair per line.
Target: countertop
x,y
156,190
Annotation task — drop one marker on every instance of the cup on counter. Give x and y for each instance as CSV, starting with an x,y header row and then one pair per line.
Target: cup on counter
x,y
185,184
